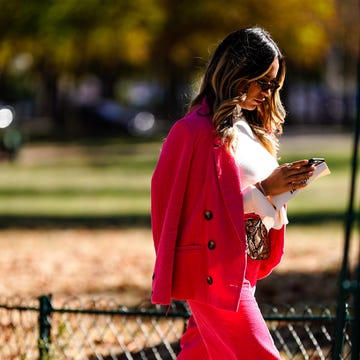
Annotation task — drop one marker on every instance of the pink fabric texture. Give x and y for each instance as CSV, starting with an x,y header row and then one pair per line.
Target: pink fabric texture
x,y
217,334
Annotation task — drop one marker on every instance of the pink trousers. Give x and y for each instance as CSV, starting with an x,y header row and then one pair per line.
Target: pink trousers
x,y
216,334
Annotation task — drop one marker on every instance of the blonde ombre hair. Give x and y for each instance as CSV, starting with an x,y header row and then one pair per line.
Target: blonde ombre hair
x,y
243,56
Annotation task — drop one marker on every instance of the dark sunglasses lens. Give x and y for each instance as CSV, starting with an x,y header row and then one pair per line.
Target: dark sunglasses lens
x,y
267,86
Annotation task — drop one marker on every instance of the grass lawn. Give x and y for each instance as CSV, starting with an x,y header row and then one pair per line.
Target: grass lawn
x,y
108,183
112,180
69,181
327,198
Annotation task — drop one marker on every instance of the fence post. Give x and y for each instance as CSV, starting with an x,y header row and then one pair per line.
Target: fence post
x,y
346,285
44,341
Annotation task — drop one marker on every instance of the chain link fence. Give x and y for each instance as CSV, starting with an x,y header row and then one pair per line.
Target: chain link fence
x,y
99,328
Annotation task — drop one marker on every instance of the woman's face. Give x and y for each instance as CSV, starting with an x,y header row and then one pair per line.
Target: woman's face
x,y
261,89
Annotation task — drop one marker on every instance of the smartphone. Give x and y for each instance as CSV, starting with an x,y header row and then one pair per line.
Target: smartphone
x,y
315,161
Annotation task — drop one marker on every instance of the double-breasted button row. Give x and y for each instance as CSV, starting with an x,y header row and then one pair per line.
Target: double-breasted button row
x,y
208,215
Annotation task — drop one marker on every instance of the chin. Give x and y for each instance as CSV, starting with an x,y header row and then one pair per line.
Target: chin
x,y
249,105
250,108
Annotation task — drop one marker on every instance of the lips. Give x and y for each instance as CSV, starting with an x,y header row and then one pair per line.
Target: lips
x,y
259,101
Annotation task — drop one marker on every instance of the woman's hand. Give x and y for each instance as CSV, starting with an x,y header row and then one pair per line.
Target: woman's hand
x,y
286,177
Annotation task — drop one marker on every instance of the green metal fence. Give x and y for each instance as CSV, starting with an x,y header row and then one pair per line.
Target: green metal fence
x,y
100,328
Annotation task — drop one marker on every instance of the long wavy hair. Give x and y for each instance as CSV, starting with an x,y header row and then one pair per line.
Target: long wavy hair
x,y
242,57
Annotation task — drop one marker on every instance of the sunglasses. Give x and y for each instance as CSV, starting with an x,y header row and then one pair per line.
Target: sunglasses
x,y
265,86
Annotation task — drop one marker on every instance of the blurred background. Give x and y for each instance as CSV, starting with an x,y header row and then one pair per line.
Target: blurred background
x,y
72,69
88,90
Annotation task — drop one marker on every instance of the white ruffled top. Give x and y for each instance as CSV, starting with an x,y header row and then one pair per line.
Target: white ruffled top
x,y
256,164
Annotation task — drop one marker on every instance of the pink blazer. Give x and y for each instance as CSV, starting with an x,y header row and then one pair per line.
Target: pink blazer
x,y
198,220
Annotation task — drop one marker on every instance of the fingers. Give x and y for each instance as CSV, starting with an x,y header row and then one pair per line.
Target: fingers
x,y
296,164
287,177
298,174
298,170
298,185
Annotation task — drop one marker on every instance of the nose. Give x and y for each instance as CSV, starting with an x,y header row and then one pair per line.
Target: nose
x,y
266,93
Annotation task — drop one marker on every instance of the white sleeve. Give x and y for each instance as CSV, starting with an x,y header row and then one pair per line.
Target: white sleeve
x,y
255,202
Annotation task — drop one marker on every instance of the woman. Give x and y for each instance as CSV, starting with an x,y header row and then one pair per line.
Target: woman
x,y
215,229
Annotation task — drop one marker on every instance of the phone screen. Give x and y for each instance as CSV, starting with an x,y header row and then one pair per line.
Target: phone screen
x,y
315,161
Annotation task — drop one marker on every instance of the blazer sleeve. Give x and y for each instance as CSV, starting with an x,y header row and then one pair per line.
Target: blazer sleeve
x,y
277,237
167,193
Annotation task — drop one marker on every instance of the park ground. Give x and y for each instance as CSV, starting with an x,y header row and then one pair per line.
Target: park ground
x,y
117,261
